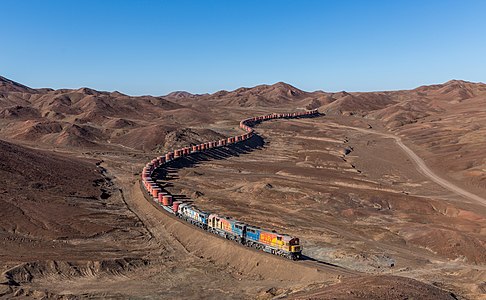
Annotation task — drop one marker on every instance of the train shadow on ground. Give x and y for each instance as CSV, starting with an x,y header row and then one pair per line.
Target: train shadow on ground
x,y
308,258
170,171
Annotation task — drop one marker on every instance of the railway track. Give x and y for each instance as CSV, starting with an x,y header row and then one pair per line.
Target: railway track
x,y
266,240
304,260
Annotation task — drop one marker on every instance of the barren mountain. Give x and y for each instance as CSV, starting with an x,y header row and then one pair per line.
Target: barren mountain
x,y
10,86
74,222
180,95
278,94
398,108
262,95
86,117
445,120
42,206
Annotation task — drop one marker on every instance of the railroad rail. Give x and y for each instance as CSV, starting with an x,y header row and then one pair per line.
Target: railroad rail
x,y
251,236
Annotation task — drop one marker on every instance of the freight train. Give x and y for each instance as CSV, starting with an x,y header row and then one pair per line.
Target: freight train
x,y
229,228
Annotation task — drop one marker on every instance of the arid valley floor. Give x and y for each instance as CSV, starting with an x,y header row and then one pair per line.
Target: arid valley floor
x,y
387,191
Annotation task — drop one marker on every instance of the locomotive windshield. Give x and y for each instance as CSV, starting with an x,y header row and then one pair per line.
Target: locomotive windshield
x,y
294,241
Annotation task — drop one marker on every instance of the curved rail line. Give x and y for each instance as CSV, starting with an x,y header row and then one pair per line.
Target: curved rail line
x,y
246,234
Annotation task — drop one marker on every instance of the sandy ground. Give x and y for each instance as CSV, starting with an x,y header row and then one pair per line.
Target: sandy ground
x,y
356,198
371,221
425,170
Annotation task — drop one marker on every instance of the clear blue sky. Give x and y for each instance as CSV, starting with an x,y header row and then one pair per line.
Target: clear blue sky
x,y
154,47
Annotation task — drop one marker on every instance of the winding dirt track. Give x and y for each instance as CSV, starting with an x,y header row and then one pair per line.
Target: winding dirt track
x,y
422,167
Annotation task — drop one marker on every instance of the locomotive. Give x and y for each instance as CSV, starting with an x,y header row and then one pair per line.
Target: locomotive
x,y
251,236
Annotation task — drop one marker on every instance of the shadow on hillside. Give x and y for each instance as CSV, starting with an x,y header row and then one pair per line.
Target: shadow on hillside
x,y
308,258
169,172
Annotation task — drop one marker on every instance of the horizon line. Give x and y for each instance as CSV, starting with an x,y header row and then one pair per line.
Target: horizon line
x,y
245,87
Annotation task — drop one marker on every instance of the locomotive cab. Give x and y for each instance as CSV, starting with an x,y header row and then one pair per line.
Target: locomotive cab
x,y
294,244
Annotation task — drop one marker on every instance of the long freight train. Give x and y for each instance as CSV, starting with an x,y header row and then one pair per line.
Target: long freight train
x,y
251,236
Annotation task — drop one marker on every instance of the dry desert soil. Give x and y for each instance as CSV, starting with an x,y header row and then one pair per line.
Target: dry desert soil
x,y
386,190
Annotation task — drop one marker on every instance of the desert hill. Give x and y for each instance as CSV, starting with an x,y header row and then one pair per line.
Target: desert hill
x,y
339,182
181,95
8,86
446,121
398,108
111,120
275,95
87,118
42,205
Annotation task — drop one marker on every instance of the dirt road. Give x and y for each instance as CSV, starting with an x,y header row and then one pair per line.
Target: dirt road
x,y
422,167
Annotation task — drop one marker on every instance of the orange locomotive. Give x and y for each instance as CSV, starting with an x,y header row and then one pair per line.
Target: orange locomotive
x,y
251,236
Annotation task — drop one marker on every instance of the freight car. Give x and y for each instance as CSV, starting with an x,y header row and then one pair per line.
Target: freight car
x,y
248,235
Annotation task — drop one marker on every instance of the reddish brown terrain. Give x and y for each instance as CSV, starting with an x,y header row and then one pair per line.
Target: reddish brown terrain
x,y
385,189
